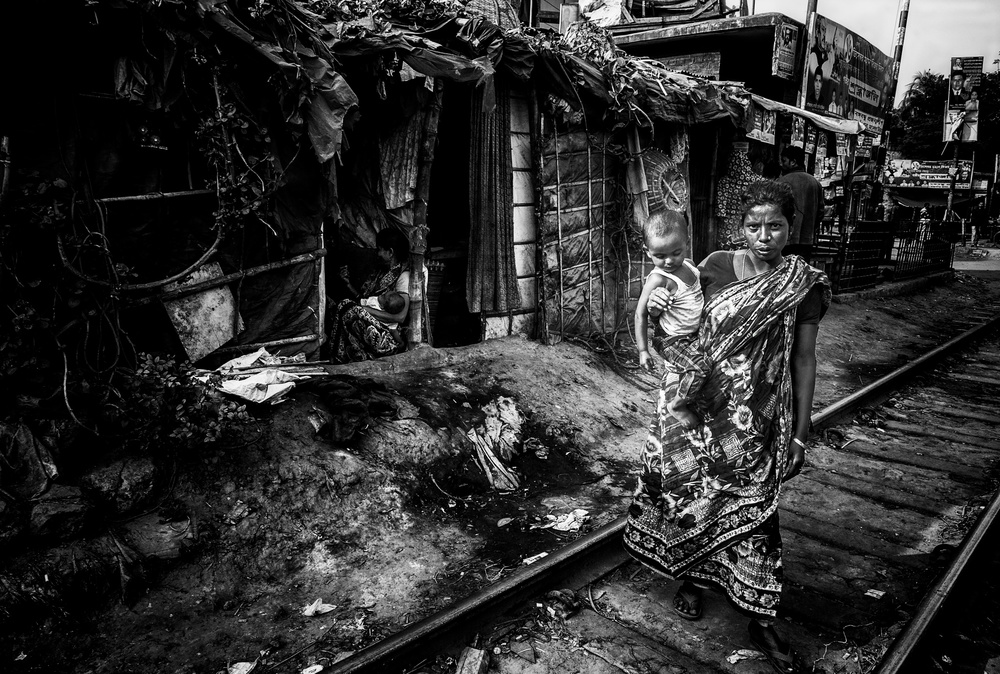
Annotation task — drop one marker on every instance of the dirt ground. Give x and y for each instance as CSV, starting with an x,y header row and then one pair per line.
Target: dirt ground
x,y
366,490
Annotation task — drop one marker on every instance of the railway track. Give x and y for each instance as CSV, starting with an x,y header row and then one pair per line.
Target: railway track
x,y
880,532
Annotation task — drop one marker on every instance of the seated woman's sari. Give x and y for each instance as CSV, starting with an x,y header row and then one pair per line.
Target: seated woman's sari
x,y
706,502
356,334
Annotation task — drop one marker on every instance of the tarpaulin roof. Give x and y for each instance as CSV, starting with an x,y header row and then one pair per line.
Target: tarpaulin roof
x,y
585,69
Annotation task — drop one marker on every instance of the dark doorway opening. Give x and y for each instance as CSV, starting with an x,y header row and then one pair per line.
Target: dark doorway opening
x,y
448,220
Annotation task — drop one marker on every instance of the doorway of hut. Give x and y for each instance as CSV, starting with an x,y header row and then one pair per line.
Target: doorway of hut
x,y
449,223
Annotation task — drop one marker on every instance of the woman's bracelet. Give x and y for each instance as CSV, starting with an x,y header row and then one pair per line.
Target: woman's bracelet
x,y
799,443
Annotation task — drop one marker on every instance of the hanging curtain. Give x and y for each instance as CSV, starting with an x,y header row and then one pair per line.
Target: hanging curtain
x,y
491,284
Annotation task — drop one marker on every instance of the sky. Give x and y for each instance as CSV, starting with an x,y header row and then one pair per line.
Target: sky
x,y
936,30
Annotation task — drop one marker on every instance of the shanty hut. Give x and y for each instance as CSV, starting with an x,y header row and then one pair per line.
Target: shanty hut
x,y
206,162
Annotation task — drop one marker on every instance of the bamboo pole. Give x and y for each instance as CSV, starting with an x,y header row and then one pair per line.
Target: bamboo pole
x,y
604,232
538,157
155,196
5,167
590,235
559,258
320,291
418,238
257,345
235,276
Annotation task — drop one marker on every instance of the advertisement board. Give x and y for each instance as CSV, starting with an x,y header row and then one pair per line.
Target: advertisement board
x,y
786,45
961,121
928,174
764,123
846,76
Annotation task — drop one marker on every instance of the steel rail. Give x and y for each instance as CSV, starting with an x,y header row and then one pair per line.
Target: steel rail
x,y
905,649
602,549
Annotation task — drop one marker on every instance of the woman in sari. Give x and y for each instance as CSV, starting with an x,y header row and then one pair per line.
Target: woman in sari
x,y
361,329
705,510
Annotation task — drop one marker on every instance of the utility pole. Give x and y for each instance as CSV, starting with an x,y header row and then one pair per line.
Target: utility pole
x,y
810,37
897,50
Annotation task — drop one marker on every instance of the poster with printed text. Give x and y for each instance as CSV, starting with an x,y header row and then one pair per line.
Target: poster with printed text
x,y
846,76
841,140
928,174
764,123
865,144
810,146
798,132
786,45
961,122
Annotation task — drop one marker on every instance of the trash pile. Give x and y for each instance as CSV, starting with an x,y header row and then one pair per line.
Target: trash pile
x,y
260,377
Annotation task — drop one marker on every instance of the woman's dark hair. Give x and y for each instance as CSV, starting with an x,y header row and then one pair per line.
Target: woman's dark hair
x,y
769,192
394,240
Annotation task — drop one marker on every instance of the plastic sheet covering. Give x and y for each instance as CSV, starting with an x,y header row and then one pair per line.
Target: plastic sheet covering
x,y
848,126
283,303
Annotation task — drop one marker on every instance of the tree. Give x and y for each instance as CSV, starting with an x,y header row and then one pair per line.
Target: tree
x,y
915,127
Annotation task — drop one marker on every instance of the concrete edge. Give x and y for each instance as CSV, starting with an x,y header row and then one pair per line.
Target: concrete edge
x,y
897,288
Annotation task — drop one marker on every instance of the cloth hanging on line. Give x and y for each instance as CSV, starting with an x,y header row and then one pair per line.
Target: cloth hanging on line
x,y
491,283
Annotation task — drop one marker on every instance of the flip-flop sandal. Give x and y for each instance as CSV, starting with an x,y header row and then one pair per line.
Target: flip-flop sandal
x,y
687,601
782,663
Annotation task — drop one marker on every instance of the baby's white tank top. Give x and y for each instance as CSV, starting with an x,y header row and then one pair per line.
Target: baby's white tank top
x,y
684,314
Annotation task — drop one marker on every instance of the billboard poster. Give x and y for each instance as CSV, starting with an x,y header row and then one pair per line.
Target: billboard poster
x,y
846,76
764,123
820,160
798,131
841,144
962,117
786,45
865,143
928,174
810,146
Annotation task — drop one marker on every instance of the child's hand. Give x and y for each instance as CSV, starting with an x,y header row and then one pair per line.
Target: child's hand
x,y
659,301
645,362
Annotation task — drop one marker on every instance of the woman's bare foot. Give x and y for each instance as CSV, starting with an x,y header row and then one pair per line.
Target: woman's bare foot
x,y
687,601
679,410
777,651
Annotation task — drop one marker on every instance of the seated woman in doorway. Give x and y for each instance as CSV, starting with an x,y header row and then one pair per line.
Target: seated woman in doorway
x,y
367,326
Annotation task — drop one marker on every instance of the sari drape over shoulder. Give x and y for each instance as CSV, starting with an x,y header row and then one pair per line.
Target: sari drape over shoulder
x,y
706,499
356,334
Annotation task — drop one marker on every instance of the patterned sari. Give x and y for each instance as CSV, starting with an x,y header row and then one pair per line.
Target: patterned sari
x,y
357,335
706,502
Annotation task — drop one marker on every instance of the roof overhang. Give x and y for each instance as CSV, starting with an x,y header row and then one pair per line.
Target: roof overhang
x,y
632,34
849,126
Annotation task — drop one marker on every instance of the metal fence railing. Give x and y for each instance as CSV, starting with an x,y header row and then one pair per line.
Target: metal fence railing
x,y
869,252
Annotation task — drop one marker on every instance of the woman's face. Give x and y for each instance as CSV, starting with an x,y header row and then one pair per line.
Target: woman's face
x,y
766,232
385,256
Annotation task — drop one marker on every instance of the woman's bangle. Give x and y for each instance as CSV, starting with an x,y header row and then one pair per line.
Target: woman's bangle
x,y
799,443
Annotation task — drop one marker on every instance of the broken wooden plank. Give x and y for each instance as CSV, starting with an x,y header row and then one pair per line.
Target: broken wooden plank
x,y
956,412
946,435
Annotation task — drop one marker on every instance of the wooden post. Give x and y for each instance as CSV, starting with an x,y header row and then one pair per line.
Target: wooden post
x,y
419,315
712,236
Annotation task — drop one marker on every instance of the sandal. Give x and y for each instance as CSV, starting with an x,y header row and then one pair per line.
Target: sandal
x,y
781,662
687,601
